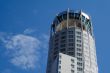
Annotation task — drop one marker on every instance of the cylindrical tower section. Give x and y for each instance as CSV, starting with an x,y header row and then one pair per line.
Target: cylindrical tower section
x,y
72,34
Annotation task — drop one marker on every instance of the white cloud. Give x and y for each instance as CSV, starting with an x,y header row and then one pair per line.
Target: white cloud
x,y
29,31
23,51
4,37
44,40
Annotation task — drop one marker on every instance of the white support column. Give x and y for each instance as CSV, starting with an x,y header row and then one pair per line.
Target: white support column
x,y
67,17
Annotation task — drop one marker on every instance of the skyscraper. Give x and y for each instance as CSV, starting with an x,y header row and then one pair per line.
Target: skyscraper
x,y
72,44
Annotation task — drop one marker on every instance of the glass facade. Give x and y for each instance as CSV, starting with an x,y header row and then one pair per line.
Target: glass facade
x,y
72,37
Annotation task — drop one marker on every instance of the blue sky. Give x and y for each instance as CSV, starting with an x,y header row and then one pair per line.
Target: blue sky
x,y
24,22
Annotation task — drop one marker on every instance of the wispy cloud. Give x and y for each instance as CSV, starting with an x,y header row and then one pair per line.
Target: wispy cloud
x,y
25,50
29,31
44,43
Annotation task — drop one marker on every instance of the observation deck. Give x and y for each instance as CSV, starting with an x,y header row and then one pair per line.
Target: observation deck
x,y
71,18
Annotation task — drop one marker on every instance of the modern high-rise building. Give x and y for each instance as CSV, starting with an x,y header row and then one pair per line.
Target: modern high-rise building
x,y
72,44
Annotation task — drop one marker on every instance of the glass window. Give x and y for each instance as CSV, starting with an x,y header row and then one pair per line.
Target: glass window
x,y
79,69
72,71
77,16
71,15
79,33
70,36
56,44
63,37
83,18
71,48
79,41
79,49
59,67
79,37
79,45
71,44
60,62
71,53
79,54
89,25
72,65
72,60
63,45
70,32
71,40
64,16
60,18
63,33
86,21
63,50
80,64
80,59
63,41
56,39
79,25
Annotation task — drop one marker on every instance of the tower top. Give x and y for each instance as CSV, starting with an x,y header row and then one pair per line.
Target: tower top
x,y
69,15
72,13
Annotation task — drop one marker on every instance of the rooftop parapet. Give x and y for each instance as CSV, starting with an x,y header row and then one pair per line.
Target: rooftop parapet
x,y
70,18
